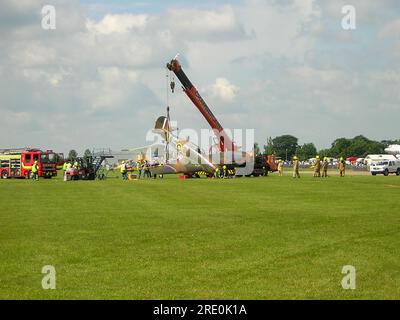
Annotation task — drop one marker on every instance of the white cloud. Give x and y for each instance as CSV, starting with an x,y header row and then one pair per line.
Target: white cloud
x,y
317,76
222,20
111,90
31,54
223,90
391,29
118,23
54,78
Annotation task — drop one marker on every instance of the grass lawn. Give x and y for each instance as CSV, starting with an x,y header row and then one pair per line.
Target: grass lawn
x,y
247,238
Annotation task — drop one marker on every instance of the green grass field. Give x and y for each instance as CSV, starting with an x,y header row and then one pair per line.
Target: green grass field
x,y
247,238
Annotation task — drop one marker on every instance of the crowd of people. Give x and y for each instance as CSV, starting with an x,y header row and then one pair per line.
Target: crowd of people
x,y
142,168
318,165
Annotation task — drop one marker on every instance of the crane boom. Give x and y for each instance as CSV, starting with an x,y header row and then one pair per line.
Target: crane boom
x,y
225,143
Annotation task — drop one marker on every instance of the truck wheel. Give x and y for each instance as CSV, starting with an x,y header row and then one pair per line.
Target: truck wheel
x,y
398,172
373,173
4,175
386,173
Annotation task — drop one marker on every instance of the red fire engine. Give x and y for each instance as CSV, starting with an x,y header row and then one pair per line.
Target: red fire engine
x,y
18,163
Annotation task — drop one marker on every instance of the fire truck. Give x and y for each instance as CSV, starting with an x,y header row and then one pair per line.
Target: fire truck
x,y
17,163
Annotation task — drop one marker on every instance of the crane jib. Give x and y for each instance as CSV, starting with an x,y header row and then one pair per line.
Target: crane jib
x,y
198,101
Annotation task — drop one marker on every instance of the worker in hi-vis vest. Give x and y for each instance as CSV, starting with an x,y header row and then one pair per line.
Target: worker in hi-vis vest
x,y
35,171
224,171
124,171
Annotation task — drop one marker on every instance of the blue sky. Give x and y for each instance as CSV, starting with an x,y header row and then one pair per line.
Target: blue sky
x,y
278,67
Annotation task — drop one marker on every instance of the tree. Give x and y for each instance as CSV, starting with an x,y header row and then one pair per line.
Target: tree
x,y
269,147
324,153
339,147
256,149
285,146
359,146
87,154
57,158
307,151
387,143
72,155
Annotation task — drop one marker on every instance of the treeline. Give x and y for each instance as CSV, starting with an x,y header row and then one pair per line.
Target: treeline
x,y
287,146
73,155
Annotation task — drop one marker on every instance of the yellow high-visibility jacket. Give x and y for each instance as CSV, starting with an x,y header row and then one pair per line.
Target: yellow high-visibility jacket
x,y
35,168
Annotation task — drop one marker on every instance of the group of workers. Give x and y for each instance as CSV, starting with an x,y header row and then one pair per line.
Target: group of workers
x,y
221,172
68,166
318,165
142,168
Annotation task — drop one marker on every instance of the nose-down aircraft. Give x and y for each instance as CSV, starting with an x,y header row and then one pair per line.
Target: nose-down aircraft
x,y
175,155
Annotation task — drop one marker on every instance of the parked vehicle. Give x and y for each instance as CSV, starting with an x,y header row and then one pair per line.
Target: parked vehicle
x,y
18,163
385,167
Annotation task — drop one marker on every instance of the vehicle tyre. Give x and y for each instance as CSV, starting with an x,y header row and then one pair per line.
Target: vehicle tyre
x,y
386,173
398,172
373,173
4,175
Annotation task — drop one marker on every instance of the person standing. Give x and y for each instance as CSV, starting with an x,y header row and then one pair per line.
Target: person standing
x,y
216,173
76,165
35,171
225,171
65,167
124,171
147,172
342,167
317,167
280,167
139,169
325,167
296,165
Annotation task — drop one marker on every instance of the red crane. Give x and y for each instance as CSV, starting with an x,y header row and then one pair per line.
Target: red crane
x,y
225,142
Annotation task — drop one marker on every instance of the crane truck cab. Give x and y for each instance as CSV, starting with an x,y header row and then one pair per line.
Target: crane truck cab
x,y
385,167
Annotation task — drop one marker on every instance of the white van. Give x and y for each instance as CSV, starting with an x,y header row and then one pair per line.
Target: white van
x,y
385,167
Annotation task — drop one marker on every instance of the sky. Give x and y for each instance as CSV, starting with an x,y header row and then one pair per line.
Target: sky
x,y
279,67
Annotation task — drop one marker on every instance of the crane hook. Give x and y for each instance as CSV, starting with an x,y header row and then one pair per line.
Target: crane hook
x,y
172,85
